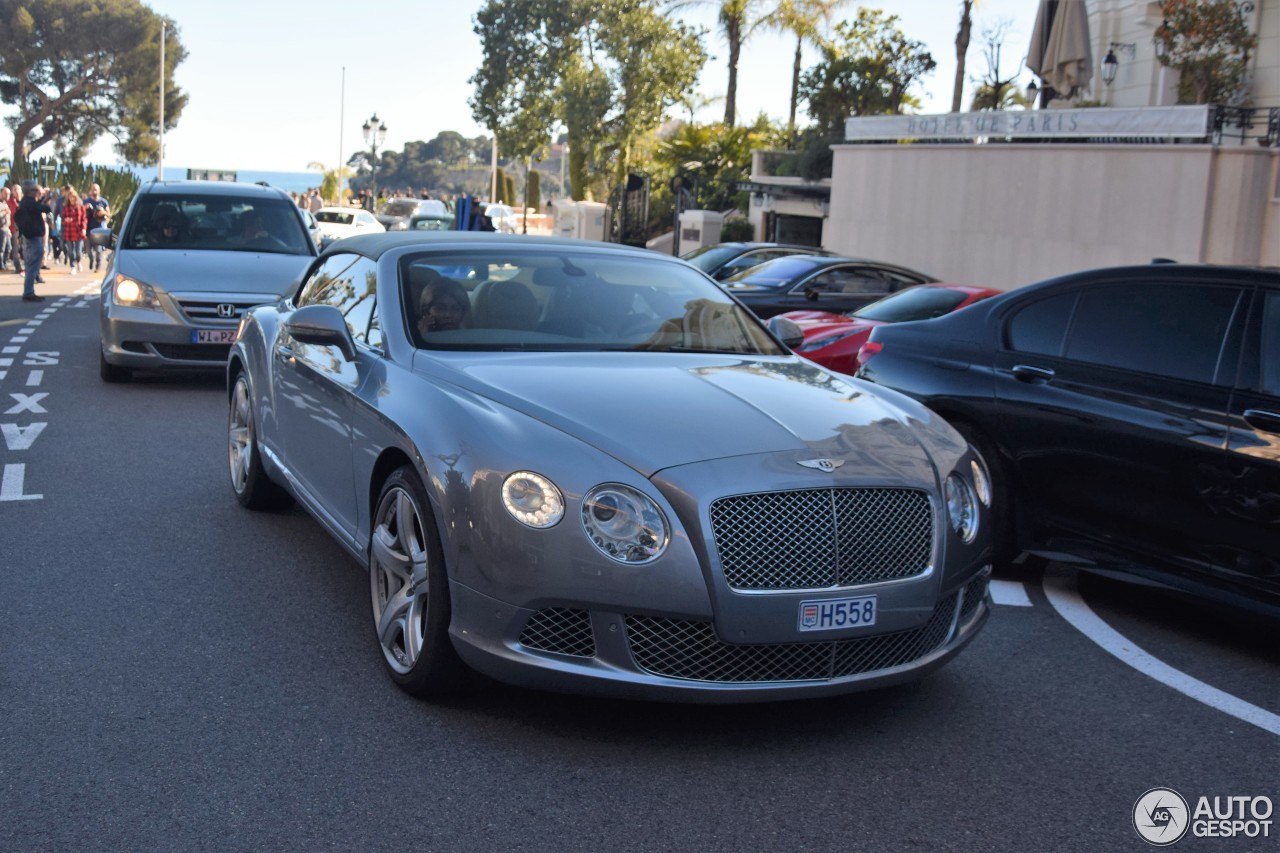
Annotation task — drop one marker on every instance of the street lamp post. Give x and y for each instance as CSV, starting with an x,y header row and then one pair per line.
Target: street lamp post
x,y
374,134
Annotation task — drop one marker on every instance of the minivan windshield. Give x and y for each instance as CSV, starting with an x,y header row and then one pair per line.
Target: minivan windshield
x,y
216,222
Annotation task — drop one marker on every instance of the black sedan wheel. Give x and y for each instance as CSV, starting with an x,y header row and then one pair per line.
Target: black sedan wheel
x,y
410,590
251,484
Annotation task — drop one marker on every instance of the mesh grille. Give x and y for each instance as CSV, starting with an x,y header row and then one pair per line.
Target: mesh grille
x,y
818,538
688,650
974,592
561,630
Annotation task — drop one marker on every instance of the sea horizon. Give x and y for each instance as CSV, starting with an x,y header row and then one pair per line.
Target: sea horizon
x,y
297,182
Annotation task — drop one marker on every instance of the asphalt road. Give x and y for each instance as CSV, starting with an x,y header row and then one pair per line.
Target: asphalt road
x,y
177,673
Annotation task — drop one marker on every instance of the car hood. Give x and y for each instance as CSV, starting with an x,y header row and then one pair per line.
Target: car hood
x,y
657,411
813,331
191,270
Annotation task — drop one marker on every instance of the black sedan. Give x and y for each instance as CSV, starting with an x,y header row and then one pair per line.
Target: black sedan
x,y
724,260
1130,418
815,283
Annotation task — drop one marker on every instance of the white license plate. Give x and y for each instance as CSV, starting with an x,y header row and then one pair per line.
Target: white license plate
x,y
213,336
828,614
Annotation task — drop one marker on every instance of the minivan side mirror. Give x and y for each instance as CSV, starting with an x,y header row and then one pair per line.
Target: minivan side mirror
x,y
103,238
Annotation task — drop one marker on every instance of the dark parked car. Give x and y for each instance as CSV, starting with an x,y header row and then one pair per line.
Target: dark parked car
x,y
817,283
1129,417
485,422
833,340
728,259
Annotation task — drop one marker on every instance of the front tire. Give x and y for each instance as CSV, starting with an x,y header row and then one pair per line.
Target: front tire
x,y
253,488
409,591
110,372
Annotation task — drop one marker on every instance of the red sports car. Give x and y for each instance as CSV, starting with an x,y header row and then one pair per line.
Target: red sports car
x,y
833,340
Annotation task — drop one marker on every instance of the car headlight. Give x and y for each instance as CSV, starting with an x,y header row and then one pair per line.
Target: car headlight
x,y
981,482
962,507
532,499
135,294
624,524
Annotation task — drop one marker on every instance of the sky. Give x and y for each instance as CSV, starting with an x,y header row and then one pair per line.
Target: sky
x,y
274,85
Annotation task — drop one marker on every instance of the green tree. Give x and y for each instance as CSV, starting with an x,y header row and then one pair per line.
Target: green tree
x,y
867,69
1208,43
330,180
533,196
738,20
716,157
805,19
78,69
500,186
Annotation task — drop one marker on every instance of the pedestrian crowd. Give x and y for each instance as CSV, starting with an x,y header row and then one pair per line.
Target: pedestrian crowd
x,y
41,224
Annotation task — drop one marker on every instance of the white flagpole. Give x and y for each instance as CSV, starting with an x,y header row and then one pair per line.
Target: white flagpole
x,y
160,167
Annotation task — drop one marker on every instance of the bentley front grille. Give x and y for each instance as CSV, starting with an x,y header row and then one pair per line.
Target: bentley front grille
x,y
818,538
677,648
562,630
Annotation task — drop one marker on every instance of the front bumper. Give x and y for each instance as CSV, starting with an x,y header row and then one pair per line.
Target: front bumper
x,y
640,656
163,339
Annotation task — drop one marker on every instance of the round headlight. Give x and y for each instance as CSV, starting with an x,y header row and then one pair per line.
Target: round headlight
x,y
128,291
624,524
532,499
962,507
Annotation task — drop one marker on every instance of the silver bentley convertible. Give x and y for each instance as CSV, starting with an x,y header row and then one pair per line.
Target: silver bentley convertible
x,y
576,466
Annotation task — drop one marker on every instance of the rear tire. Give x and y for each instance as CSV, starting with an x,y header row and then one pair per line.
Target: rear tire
x,y
1003,495
112,373
409,591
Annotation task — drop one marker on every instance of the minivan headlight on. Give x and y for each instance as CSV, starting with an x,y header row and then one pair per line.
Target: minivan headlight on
x,y
135,294
962,507
532,499
624,524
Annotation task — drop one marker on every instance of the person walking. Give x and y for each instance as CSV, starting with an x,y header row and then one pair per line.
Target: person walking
x,y
14,237
31,225
6,238
97,211
73,229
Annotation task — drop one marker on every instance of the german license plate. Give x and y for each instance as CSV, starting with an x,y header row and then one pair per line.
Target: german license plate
x,y
213,336
828,614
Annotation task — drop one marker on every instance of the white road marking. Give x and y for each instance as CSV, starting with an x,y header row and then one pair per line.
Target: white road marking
x,y
27,403
21,438
1059,586
1011,593
10,350
34,378
11,483
20,339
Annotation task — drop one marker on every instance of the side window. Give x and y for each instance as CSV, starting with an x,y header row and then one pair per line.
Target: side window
x,y
1173,331
847,280
1271,343
348,283
1041,326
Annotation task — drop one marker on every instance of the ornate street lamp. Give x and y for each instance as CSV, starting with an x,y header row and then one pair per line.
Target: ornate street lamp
x,y
375,132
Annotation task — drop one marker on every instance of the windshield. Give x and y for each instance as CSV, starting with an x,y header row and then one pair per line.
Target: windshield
x,y
914,303
709,258
431,223
777,272
219,223
534,299
399,208
335,217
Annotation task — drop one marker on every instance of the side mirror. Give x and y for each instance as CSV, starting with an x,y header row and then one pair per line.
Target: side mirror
x,y
103,238
322,325
786,331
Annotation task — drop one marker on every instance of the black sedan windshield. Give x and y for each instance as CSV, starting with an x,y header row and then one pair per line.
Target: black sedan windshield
x,y
534,299
776,273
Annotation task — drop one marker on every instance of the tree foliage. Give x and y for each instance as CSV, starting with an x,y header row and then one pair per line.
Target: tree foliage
x,y
606,69
715,158
1208,42
868,68
79,69
805,19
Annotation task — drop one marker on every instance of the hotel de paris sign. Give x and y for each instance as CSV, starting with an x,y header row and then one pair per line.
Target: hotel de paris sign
x,y
1185,121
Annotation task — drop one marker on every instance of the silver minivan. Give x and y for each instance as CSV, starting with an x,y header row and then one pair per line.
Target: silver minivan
x,y
192,257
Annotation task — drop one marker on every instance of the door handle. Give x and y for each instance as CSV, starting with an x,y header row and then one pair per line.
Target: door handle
x,y
1263,420
1027,373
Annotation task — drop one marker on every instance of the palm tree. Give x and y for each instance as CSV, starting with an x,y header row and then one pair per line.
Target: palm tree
x,y
737,23
962,48
807,19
